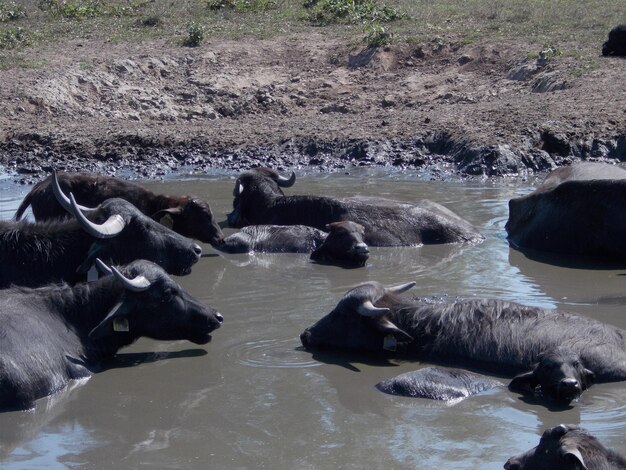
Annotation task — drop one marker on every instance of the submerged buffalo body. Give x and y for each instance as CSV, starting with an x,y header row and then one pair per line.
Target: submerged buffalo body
x,y
559,354
577,210
189,216
53,334
437,383
342,244
260,200
32,254
567,447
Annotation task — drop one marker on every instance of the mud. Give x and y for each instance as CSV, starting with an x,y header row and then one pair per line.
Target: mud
x,y
150,109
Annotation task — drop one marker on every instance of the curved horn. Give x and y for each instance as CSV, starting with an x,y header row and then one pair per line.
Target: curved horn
x,y
61,197
238,189
114,225
286,182
103,267
138,284
367,309
401,288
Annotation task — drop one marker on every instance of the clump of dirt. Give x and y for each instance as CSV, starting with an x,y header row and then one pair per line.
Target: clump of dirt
x,y
148,109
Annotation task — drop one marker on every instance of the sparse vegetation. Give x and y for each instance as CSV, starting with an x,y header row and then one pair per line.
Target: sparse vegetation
x,y
325,12
241,6
195,35
377,36
72,8
546,53
81,9
458,21
13,38
10,11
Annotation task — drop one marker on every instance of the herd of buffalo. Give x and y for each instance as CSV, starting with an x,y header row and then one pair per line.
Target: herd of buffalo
x,y
90,276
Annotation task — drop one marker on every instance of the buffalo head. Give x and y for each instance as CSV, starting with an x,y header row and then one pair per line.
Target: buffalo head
x,y
344,244
194,219
122,234
154,306
356,323
253,191
566,447
558,375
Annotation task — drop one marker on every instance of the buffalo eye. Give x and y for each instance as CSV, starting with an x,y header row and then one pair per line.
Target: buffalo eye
x,y
576,363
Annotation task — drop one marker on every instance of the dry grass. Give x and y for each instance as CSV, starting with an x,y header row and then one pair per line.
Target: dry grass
x,y
574,26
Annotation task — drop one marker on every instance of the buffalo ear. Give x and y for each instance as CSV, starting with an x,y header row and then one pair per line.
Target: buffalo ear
x,y
573,455
525,382
589,376
388,328
95,251
167,216
109,323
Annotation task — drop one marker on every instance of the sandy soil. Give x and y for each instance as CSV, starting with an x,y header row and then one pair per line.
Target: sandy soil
x,y
150,109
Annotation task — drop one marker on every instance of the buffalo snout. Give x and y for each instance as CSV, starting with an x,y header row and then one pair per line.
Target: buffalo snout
x,y
197,249
305,339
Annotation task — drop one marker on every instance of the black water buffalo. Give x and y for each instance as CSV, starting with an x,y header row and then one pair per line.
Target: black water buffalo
x,y
616,43
57,333
567,447
578,210
260,200
559,354
343,244
187,215
437,383
32,254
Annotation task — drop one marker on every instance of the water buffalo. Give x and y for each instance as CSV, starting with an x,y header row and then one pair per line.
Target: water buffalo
x,y
438,384
32,254
343,244
187,215
576,210
616,43
259,199
557,354
567,447
54,334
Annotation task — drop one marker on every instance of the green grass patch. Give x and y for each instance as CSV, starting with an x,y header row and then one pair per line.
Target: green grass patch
x,y
571,24
195,35
14,38
325,12
11,11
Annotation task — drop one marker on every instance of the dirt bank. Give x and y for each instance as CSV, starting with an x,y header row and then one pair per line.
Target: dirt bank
x,y
152,108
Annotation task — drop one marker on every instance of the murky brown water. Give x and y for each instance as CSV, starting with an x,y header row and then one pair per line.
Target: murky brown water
x,y
253,399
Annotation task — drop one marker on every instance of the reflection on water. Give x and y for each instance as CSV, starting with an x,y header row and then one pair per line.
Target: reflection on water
x,y
252,398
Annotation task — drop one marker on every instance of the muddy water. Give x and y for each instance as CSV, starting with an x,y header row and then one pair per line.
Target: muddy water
x,y
253,399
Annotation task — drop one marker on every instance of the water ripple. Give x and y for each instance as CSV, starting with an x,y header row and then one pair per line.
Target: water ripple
x,y
273,353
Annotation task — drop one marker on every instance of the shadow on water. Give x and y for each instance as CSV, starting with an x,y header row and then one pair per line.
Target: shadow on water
x,y
569,261
123,360
346,359
581,280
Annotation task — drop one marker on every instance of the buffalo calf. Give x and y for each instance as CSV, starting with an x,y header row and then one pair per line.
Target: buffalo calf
x,y
343,244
